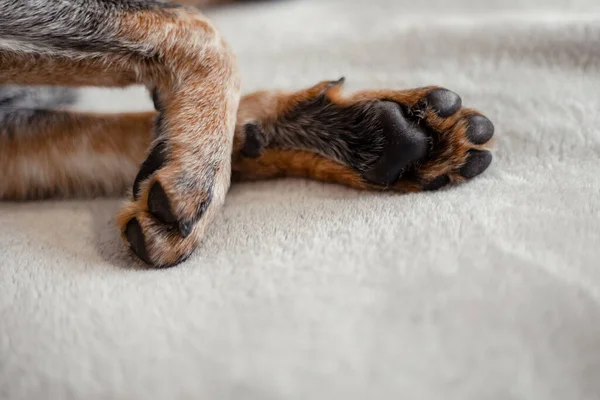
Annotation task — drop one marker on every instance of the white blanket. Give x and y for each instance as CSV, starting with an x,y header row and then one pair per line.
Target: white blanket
x,y
303,290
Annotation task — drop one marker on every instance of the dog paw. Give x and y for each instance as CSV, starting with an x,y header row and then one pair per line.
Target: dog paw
x,y
179,188
410,140
430,143
169,208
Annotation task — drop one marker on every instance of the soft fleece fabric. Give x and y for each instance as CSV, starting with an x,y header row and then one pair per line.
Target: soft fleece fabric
x,y
304,290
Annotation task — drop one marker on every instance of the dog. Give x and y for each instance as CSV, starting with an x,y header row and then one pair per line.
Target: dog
x,y
203,133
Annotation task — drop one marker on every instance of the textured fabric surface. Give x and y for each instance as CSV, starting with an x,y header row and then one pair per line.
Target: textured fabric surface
x,y
303,290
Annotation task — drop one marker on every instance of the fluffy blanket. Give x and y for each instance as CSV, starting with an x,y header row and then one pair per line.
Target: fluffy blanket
x,y
304,290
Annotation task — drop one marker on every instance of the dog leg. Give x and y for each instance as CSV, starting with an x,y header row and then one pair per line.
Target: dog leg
x,y
406,141
277,134
177,53
62,154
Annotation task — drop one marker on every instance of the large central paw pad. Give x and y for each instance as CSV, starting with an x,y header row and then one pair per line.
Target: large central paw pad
x,y
404,144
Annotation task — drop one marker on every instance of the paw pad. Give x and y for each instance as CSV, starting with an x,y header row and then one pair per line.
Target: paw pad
x,y
480,129
408,135
159,204
477,162
437,183
445,102
254,145
154,162
137,243
405,144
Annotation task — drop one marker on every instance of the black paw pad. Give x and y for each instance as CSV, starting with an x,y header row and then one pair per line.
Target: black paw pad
x,y
445,102
159,204
155,161
480,129
156,100
477,162
135,237
437,183
187,226
405,144
255,141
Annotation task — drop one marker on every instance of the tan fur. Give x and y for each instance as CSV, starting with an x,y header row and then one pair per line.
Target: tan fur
x,y
199,86
39,69
267,106
204,3
75,155
303,164
129,136
195,76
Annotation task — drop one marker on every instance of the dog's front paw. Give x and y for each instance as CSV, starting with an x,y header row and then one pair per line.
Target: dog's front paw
x,y
180,186
173,200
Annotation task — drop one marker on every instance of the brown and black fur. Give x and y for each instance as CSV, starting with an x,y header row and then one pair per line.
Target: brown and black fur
x,y
202,132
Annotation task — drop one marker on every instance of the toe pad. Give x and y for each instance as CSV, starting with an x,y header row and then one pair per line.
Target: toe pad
x,y
477,162
135,237
445,102
480,129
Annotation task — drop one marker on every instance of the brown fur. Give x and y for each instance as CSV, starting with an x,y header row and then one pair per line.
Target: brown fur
x,y
130,135
194,74
47,160
268,106
200,92
40,69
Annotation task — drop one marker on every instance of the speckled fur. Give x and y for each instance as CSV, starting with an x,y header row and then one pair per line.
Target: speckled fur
x,y
198,139
172,49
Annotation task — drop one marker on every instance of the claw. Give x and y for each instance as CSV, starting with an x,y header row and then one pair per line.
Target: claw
x,y
339,82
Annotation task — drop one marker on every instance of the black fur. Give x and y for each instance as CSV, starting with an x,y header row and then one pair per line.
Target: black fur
x,y
11,123
255,141
351,135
